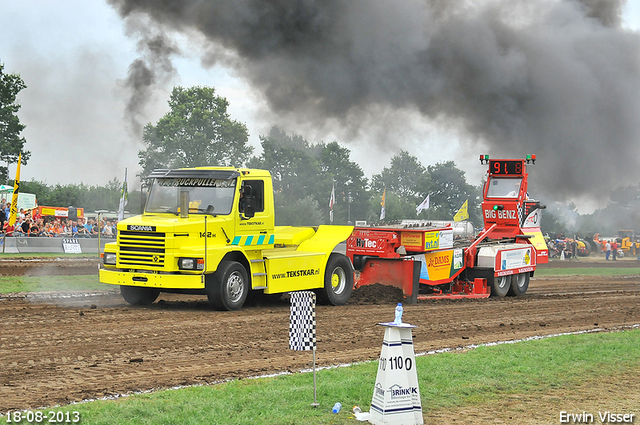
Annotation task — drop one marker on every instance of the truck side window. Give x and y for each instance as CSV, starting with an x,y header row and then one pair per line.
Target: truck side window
x,y
257,187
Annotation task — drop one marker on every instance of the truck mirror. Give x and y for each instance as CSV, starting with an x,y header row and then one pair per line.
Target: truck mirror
x,y
247,200
184,203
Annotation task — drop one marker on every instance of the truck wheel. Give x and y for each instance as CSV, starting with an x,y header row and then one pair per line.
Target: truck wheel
x,y
338,281
500,286
519,284
228,287
136,295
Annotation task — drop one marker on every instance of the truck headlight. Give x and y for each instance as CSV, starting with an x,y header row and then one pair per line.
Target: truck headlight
x,y
109,258
191,264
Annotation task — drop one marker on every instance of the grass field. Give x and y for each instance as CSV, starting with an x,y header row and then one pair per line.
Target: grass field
x,y
45,255
447,381
9,284
586,271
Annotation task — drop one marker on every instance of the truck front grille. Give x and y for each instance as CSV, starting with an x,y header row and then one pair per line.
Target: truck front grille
x,y
141,249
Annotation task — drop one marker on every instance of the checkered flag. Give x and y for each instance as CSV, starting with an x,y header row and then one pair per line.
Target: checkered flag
x,y
521,215
302,324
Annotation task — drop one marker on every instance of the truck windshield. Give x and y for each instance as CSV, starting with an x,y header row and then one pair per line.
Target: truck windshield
x,y
206,196
504,187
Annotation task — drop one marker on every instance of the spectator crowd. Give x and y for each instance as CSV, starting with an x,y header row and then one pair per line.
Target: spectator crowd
x,y
28,223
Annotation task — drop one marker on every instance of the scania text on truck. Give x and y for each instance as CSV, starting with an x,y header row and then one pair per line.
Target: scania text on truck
x,y
210,231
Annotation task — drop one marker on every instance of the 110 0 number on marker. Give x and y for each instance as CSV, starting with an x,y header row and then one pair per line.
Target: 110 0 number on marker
x,y
43,417
395,363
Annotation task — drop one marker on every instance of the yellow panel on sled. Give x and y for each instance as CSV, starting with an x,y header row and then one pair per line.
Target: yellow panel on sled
x,y
296,271
289,235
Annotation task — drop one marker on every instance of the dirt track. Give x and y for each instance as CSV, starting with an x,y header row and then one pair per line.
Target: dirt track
x,y
58,350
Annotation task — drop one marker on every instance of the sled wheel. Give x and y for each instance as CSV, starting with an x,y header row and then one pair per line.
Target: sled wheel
x,y
519,284
338,281
228,287
136,295
500,286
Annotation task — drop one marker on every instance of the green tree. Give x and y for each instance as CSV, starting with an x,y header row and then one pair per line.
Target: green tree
x,y
91,198
408,179
293,164
11,143
301,170
352,197
197,131
450,190
41,190
396,208
301,212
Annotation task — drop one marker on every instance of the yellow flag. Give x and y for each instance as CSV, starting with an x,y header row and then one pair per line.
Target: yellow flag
x,y
16,190
463,212
382,210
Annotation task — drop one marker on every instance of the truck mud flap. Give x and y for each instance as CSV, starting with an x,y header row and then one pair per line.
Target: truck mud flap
x,y
403,274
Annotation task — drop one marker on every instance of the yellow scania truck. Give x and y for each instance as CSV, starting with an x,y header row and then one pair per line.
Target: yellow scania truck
x,y
211,231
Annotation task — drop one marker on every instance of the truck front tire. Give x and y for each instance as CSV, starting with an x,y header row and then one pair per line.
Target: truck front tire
x,y
228,287
338,281
136,295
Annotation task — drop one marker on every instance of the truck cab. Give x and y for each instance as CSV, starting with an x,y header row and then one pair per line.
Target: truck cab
x,y
211,231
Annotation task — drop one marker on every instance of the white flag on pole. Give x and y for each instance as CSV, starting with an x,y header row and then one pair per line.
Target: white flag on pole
x,y
423,206
123,197
332,201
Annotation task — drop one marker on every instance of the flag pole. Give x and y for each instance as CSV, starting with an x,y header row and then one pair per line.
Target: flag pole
x,y
14,198
315,400
123,197
332,201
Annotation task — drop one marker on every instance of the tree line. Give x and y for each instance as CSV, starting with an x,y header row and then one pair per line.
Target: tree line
x,y
198,131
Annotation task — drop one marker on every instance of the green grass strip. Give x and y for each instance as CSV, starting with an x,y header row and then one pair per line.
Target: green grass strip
x,y
28,256
10,284
446,380
589,271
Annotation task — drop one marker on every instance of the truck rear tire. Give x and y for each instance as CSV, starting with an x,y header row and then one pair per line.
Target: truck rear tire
x,y
136,295
228,287
500,286
338,281
519,284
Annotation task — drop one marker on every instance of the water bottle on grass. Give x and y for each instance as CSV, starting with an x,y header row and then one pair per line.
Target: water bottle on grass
x,y
337,407
398,319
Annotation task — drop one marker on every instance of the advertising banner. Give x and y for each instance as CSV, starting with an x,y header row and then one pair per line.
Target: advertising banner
x,y
439,239
441,265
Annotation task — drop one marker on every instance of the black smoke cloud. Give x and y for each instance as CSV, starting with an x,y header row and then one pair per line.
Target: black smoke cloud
x,y
559,78
152,70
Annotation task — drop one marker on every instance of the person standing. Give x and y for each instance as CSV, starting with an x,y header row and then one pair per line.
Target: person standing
x,y
608,250
8,228
3,215
614,250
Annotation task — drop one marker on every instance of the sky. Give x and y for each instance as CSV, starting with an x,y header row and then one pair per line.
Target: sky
x,y
75,59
